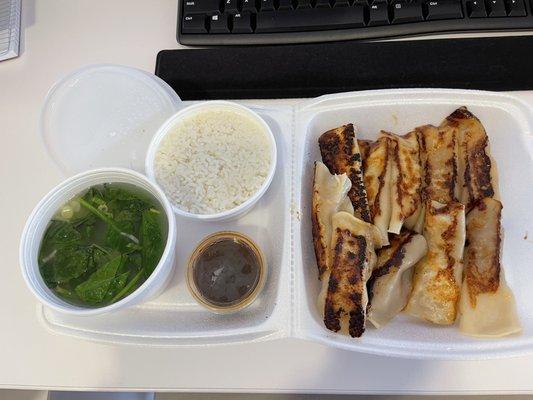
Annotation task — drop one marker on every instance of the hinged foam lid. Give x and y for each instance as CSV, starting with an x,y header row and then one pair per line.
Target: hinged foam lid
x,y
105,116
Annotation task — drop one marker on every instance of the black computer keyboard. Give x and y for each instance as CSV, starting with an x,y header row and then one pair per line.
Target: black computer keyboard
x,y
234,22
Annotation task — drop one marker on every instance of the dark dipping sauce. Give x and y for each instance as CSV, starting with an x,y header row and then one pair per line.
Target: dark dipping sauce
x,y
226,270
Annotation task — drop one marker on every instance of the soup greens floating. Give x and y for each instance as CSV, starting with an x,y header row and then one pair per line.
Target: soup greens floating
x,y
102,245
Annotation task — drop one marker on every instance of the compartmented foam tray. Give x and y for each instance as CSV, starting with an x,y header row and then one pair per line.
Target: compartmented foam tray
x,y
280,223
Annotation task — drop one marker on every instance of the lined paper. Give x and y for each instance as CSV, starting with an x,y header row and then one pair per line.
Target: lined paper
x,y
9,28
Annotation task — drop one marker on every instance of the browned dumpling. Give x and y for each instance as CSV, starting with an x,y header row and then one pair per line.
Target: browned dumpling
x,y
364,148
487,304
340,153
329,197
391,280
474,163
377,174
440,162
438,276
345,297
405,182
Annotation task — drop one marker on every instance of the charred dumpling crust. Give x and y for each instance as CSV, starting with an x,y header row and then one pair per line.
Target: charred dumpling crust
x,y
353,259
340,153
319,233
474,164
440,163
346,284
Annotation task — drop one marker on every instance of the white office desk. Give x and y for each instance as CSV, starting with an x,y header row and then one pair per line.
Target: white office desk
x,y
59,37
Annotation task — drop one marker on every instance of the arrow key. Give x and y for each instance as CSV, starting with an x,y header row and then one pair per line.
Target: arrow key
x,y
496,8
516,8
476,9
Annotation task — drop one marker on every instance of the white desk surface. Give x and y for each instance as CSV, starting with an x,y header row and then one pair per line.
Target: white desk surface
x,y
61,35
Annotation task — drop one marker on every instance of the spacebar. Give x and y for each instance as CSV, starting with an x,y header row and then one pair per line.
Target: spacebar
x,y
310,19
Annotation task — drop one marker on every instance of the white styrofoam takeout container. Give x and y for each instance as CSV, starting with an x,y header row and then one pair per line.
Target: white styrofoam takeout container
x,y
175,318
280,224
245,112
48,206
509,125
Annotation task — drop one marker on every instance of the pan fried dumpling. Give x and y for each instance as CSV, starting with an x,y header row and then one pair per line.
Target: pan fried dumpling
x,y
377,174
487,305
438,156
345,297
438,275
340,153
329,197
391,281
364,148
474,163
406,181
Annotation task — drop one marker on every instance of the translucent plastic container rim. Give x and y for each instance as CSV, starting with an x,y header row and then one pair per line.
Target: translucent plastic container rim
x,y
194,109
152,80
46,208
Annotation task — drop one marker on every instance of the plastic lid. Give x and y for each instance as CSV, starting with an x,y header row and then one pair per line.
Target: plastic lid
x,y
105,116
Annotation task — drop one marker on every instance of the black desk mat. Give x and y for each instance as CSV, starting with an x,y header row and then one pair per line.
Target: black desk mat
x,y
309,70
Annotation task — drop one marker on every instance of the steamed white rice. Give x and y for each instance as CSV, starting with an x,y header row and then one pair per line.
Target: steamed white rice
x,y
212,161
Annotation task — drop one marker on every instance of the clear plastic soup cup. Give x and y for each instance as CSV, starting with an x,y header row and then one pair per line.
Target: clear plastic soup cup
x,y
196,109
47,207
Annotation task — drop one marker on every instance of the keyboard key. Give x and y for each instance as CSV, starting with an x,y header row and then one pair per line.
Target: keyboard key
x,y
304,4
496,8
230,6
407,12
341,3
200,6
322,4
378,14
310,19
444,9
242,23
285,5
267,5
193,24
218,23
249,5
476,9
516,8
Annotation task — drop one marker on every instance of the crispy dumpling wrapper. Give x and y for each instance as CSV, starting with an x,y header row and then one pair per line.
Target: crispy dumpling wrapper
x,y
344,297
364,147
391,281
377,175
438,275
438,156
487,305
329,197
473,160
340,153
405,181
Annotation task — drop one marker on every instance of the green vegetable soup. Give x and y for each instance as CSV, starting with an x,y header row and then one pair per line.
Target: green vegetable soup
x,y
103,244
